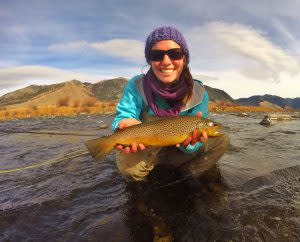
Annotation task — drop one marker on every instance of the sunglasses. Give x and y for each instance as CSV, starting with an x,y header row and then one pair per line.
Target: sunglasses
x,y
158,55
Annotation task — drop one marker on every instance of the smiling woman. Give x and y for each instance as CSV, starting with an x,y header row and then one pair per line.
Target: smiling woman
x,y
167,89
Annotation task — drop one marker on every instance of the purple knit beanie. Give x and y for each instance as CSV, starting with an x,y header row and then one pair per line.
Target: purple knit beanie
x,y
166,33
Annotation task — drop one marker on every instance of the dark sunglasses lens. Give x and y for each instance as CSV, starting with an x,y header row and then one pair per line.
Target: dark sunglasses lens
x,y
157,55
175,54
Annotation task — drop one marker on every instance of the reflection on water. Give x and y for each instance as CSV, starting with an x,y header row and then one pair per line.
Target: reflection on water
x,y
253,194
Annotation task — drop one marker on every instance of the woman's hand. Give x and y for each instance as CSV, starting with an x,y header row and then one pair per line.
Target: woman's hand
x,y
195,136
124,123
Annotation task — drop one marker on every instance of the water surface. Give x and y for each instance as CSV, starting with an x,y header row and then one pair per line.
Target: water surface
x,y
255,195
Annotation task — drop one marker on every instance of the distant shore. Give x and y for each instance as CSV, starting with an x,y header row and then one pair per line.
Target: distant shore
x,y
230,107
7,113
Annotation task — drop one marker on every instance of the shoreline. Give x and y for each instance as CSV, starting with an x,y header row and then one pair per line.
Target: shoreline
x,y
54,111
7,114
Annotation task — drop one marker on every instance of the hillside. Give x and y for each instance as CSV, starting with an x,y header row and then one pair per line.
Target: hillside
x,y
293,103
76,91
218,95
109,90
27,93
72,91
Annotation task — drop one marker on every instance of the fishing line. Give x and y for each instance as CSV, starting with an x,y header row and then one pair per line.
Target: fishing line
x,y
67,156
48,133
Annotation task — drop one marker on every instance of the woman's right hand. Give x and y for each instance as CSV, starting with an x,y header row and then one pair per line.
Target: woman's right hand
x,y
124,123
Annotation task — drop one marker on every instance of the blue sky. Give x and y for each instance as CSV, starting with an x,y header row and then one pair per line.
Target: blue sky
x,y
243,47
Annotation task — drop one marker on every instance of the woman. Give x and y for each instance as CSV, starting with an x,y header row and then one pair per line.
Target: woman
x,y
167,89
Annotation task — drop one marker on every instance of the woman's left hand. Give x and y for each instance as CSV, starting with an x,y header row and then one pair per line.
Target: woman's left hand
x,y
195,136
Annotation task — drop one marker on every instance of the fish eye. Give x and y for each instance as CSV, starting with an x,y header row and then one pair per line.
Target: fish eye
x,y
211,124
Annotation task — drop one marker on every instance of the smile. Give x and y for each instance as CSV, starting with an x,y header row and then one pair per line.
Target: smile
x,y
167,70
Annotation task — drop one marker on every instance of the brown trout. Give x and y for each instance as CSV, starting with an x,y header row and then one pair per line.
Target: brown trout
x,y
162,132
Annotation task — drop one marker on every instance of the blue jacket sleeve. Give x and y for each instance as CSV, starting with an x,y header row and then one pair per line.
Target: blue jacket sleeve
x,y
130,104
203,107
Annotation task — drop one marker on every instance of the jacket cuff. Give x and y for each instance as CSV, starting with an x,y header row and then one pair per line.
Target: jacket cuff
x,y
191,148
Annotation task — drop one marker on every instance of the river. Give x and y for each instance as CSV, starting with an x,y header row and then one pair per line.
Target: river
x,y
66,196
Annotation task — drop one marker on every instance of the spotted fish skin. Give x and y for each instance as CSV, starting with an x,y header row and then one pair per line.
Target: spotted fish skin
x,y
162,132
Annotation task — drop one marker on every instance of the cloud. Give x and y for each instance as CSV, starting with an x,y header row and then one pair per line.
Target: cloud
x,y
13,78
238,85
222,46
128,49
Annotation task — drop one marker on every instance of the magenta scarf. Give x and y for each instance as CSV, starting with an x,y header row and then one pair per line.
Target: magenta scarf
x,y
173,94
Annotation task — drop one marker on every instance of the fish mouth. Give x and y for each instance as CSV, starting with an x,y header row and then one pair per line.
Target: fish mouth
x,y
215,130
217,133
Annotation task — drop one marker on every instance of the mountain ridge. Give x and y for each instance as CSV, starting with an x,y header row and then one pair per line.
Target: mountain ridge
x,y
255,100
110,90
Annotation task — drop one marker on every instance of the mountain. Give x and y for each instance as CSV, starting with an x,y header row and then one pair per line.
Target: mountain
x,y
76,91
218,95
27,93
46,95
257,100
109,90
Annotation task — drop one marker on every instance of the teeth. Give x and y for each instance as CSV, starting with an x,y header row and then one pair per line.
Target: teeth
x,y
166,71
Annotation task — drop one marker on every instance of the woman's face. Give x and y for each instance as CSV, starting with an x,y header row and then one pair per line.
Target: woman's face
x,y
167,70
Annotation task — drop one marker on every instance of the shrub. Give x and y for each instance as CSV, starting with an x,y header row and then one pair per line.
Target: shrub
x,y
64,101
76,103
112,104
89,102
34,107
85,109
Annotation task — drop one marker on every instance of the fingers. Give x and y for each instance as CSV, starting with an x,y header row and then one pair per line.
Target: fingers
x,y
195,135
203,137
141,146
127,150
194,138
126,122
199,114
123,125
187,141
133,148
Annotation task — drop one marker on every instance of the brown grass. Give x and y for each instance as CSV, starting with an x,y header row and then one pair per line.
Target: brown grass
x,y
76,103
229,107
46,111
92,107
63,102
90,102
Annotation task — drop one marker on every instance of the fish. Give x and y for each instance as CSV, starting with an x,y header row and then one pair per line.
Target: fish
x,y
165,131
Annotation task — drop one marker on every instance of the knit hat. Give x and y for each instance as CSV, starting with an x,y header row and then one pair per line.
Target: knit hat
x,y
166,33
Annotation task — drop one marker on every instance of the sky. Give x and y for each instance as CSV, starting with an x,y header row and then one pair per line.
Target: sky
x,y
243,47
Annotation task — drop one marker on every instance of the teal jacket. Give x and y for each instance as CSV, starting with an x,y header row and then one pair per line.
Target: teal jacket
x,y
133,102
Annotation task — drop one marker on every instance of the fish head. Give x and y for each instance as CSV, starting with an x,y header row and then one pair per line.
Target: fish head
x,y
212,128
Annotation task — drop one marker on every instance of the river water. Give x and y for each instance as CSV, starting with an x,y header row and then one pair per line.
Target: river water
x,y
254,196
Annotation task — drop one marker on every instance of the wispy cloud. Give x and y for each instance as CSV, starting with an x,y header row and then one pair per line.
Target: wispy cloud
x,y
128,49
230,41
242,48
22,76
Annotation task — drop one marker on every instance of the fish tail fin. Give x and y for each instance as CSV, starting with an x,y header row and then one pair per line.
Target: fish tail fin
x,y
100,147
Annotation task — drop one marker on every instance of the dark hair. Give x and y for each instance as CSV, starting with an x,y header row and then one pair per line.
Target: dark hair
x,y
187,77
